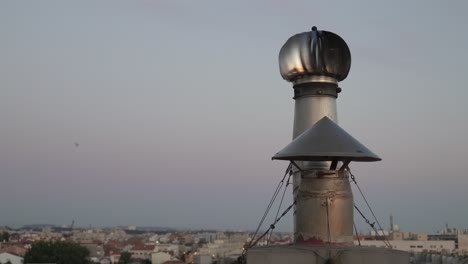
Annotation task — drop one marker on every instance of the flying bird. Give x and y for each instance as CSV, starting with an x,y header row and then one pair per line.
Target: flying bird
x,y
77,144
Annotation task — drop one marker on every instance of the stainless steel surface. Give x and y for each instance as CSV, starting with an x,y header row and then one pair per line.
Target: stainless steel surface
x,y
324,207
315,53
315,78
325,141
323,215
309,110
315,61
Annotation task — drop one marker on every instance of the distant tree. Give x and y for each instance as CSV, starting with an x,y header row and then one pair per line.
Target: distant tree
x,y
57,252
5,236
125,257
202,242
8,262
146,261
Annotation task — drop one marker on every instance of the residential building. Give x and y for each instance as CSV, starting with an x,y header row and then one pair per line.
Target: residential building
x,y
442,246
160,257
14,249
14,259
202,259
142,251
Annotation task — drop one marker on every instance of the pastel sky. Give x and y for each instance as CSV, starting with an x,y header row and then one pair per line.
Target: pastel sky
x,y
178,106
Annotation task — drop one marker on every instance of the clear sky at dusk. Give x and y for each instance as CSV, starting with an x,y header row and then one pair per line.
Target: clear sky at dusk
x,y
178,106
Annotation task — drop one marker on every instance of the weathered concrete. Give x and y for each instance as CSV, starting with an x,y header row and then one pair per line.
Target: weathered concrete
x,y
297,254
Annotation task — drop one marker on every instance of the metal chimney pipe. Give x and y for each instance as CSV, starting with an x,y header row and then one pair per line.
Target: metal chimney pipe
x,y
315,62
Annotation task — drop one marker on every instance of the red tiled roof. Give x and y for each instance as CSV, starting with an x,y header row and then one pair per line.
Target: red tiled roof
x,y
14,250
111,250
142,247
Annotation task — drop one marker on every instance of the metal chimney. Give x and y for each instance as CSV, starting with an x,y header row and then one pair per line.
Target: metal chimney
x,y
321,151
323,197
315,62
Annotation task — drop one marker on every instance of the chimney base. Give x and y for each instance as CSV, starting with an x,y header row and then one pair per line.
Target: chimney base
x,y
296,254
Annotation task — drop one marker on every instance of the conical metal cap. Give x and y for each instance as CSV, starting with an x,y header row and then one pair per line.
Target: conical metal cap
x,y
326,141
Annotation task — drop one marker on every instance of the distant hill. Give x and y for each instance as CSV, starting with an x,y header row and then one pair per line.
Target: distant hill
x,y
37,226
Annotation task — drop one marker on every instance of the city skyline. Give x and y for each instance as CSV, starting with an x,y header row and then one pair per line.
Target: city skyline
x,y
168,113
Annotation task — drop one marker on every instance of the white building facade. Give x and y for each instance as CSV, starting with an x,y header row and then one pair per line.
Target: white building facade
x,y
440,246
5,257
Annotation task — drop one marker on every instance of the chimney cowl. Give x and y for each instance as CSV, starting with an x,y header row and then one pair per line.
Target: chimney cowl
x,y
315,56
